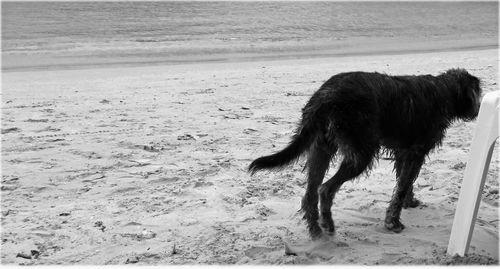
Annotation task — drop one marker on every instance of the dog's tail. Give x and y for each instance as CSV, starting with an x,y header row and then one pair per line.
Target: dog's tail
x,y
301,141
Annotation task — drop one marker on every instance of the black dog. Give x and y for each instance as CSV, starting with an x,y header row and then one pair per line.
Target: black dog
x,y
358,113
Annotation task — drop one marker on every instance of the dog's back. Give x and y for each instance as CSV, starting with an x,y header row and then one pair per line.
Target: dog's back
x,y
398,109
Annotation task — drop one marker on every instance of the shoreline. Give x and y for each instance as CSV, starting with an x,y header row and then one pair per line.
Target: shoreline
x,y
12,63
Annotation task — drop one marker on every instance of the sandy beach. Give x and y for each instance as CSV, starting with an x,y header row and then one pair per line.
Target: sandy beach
x,y
147,165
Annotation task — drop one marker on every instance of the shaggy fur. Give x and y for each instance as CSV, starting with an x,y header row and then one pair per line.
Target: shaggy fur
x,y
358,114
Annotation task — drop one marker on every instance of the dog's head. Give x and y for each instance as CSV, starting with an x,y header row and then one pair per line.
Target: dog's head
x,y
468,93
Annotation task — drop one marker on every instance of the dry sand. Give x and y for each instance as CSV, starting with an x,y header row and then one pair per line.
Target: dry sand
x,y
147,165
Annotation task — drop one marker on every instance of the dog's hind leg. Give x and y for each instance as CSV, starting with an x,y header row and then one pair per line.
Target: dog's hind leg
x,y
351,167
317,163
407,168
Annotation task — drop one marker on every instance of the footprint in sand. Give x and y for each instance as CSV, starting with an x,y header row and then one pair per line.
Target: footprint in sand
x,y
48,129
87,154
202,183
256,252
37,120
250,131
8,188
325,248
458,166
10,130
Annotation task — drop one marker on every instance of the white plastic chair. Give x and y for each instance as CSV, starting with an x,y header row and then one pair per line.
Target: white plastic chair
x,y
487,131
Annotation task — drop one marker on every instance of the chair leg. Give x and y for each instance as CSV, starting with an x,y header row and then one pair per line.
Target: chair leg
x,y
475,174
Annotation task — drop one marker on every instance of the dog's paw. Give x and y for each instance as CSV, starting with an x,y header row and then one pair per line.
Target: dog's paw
x,y
327,225
411,203
394,225
316,233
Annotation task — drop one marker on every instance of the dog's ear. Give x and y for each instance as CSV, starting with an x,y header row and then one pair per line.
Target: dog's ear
x,y
467,85
469,95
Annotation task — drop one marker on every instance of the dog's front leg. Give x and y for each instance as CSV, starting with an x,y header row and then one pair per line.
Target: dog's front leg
x,y
407,169
410,200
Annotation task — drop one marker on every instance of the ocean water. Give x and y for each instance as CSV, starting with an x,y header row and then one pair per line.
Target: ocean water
x,y
178,29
